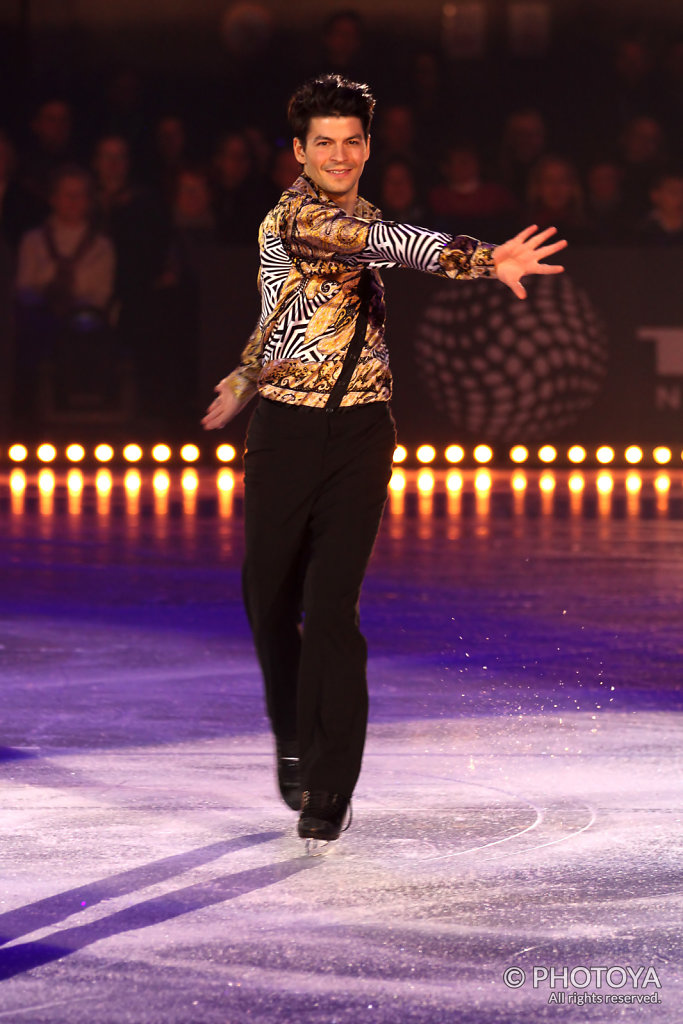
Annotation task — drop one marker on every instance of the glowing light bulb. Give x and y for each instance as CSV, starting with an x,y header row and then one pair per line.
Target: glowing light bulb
x,y
662,483
454,453
547,453
46,452
519,453
519,482
18,453
605,454
225,453
425,481
75,453
189,453
482,453
547,483
577,453
662,455
104,453
633,454
576,483
605,483
132,453
161,453
426,453
400,453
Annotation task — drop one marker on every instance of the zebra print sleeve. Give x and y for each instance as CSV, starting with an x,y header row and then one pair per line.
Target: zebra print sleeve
x,y
391,244
314,230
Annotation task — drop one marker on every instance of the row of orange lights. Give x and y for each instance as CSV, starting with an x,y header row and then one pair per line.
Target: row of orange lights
x,y
131,453
547,453
425,454
483,481
426,481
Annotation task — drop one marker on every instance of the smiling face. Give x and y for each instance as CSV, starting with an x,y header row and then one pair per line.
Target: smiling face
x,y
334,156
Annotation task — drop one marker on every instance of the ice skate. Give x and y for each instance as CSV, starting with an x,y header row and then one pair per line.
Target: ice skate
x,y
321,819
289,773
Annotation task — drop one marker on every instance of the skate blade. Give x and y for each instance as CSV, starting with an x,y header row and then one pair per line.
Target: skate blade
x,y
317,847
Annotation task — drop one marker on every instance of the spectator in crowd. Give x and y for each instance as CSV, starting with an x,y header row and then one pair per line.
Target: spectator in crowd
x,y
671,95
643,155
628,87
50,145
523,143
169,153
555,197
605,202
135,220
177,300
344,46
394,136
65,276
19,209
66,264
240,198
398,195
664,223
286,169
125,112
133,217
466,204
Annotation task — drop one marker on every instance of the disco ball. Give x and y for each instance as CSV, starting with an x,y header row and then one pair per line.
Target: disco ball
x,y
506,369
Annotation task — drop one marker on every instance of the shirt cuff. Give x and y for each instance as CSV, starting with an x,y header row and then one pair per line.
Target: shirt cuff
x,y
466,257
242,387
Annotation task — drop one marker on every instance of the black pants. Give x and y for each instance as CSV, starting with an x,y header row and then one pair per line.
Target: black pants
x,y
315,489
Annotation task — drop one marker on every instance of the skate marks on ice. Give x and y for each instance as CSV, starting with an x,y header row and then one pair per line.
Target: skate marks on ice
x,y
437,818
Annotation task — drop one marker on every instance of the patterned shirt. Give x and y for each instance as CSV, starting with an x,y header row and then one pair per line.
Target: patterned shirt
x,y
312,255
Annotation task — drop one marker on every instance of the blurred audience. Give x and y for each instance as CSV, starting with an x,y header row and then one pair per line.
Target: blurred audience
x,y
240,194
664,223
555,198
523,142
398,195
64,286
142,241
466,204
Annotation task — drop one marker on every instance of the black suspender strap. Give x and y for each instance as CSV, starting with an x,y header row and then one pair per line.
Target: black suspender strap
x,y
355,345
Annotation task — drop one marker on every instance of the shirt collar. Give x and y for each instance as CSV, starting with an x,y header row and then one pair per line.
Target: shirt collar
x,y
363,209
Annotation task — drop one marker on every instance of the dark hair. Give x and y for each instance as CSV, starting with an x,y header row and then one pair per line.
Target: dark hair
x,y
329,96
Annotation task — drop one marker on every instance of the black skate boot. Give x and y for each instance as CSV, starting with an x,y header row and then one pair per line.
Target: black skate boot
x,y
289,772
322,817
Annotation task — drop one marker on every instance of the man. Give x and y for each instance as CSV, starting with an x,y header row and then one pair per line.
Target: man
x,y
320,443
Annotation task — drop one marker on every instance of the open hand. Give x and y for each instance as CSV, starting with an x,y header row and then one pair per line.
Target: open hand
x,y
223,408
521,254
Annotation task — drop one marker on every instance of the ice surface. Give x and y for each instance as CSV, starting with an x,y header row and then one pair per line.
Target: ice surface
x,y
519,806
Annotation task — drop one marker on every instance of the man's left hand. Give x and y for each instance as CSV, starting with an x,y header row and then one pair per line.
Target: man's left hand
x,y
521,255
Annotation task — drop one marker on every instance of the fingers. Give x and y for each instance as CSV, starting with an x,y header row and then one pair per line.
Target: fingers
x,y
523,235
548,250
549,268
542,235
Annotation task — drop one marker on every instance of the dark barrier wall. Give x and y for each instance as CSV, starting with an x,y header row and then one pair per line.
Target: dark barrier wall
x,y
593,355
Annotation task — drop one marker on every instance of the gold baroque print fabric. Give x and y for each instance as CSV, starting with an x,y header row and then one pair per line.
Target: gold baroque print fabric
x,y
312,254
